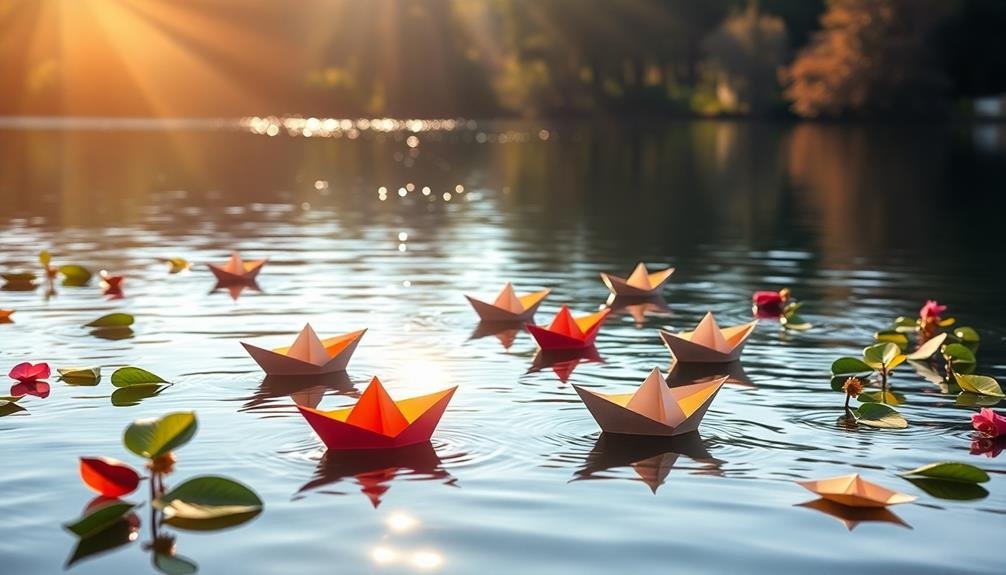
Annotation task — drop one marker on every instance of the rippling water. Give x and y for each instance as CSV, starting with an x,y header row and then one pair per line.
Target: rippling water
x,y
863,224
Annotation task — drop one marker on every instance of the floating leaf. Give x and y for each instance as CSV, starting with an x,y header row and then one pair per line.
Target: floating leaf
x,y
108,477
208,502
968,399
113,333
980,384
99,517
953,490
177,265
949,471
80,375
878,396
881,355
968,337
893,336
125,376
74,275
9,406
906,324
44,257
850,366
927,349
112,320
880,416
174,564
151,438
133,394
793,321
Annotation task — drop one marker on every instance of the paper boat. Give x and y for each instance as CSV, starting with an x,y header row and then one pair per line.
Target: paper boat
x,y
709,343
640,283
237,271
308,355
379,422
5,315
854,491
508,306
567,332
654,408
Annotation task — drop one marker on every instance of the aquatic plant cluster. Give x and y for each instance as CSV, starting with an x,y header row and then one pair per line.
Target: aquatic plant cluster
x,y
931,344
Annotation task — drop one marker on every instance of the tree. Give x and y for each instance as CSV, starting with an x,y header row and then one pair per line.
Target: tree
x,y
871,57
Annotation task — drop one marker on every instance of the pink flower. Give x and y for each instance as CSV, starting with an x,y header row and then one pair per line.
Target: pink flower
x,y
769,304
931,311
987,446
28,373
989,423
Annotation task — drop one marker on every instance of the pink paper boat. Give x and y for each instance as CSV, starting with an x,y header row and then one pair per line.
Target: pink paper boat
x,y
508,306
641,283
308,355
567,332
379,422
708,343
236,270
654,408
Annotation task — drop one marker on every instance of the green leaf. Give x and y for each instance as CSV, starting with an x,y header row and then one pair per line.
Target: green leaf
x,y
125,376
10,407
151,438
74,275
120,533
207,503
947,322
850,366
112,320
99,518
980,384
112,333
954,490
906,322
927,349
878,396
796,322
897,338
44,257
80,375
958,354
968,399
881,354
880,416
949,471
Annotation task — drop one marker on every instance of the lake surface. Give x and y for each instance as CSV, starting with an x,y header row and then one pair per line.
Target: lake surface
x,y
862,223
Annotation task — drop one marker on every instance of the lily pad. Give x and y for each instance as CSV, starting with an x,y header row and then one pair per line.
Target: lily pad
x,y
980,384
950,471
112,320
151,438
208,503
133,394
126,376
74,275
99,518
968,399
174,564
850,366
927,349
80,375
884,354
953,490
879,396
880,416
968,337
893,336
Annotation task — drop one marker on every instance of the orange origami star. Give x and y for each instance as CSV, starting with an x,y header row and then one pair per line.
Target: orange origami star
x,y
379,422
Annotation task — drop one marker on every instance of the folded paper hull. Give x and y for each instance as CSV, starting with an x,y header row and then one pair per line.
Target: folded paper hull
x,y
227,278
490,313
338,435
613,418
620,286
685,351
550,340
278,364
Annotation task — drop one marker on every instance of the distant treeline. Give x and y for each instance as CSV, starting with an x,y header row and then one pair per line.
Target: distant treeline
x,y
812,58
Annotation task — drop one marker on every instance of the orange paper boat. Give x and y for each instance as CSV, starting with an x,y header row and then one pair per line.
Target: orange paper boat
x,y
508,306
567,332
640,283
236,270
308,355
654,408
709,343
5,315
854,491
379,422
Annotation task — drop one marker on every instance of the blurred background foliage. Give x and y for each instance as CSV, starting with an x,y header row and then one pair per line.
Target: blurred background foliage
x,y
811,58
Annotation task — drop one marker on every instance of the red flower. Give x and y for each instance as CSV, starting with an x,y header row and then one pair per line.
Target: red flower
x,y
989,423
931,311
28,373
769,304
987,446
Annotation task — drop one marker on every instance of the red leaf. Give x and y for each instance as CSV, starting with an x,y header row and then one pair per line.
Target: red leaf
x,y
109,477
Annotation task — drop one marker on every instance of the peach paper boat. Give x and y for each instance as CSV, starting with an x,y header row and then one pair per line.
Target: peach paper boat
x,y
308,355
708,343
854,491
641,283
379,422
508,306
236,270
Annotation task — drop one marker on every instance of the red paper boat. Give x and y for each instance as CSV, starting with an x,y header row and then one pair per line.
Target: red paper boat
x,y
236,270
379,422
567,332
